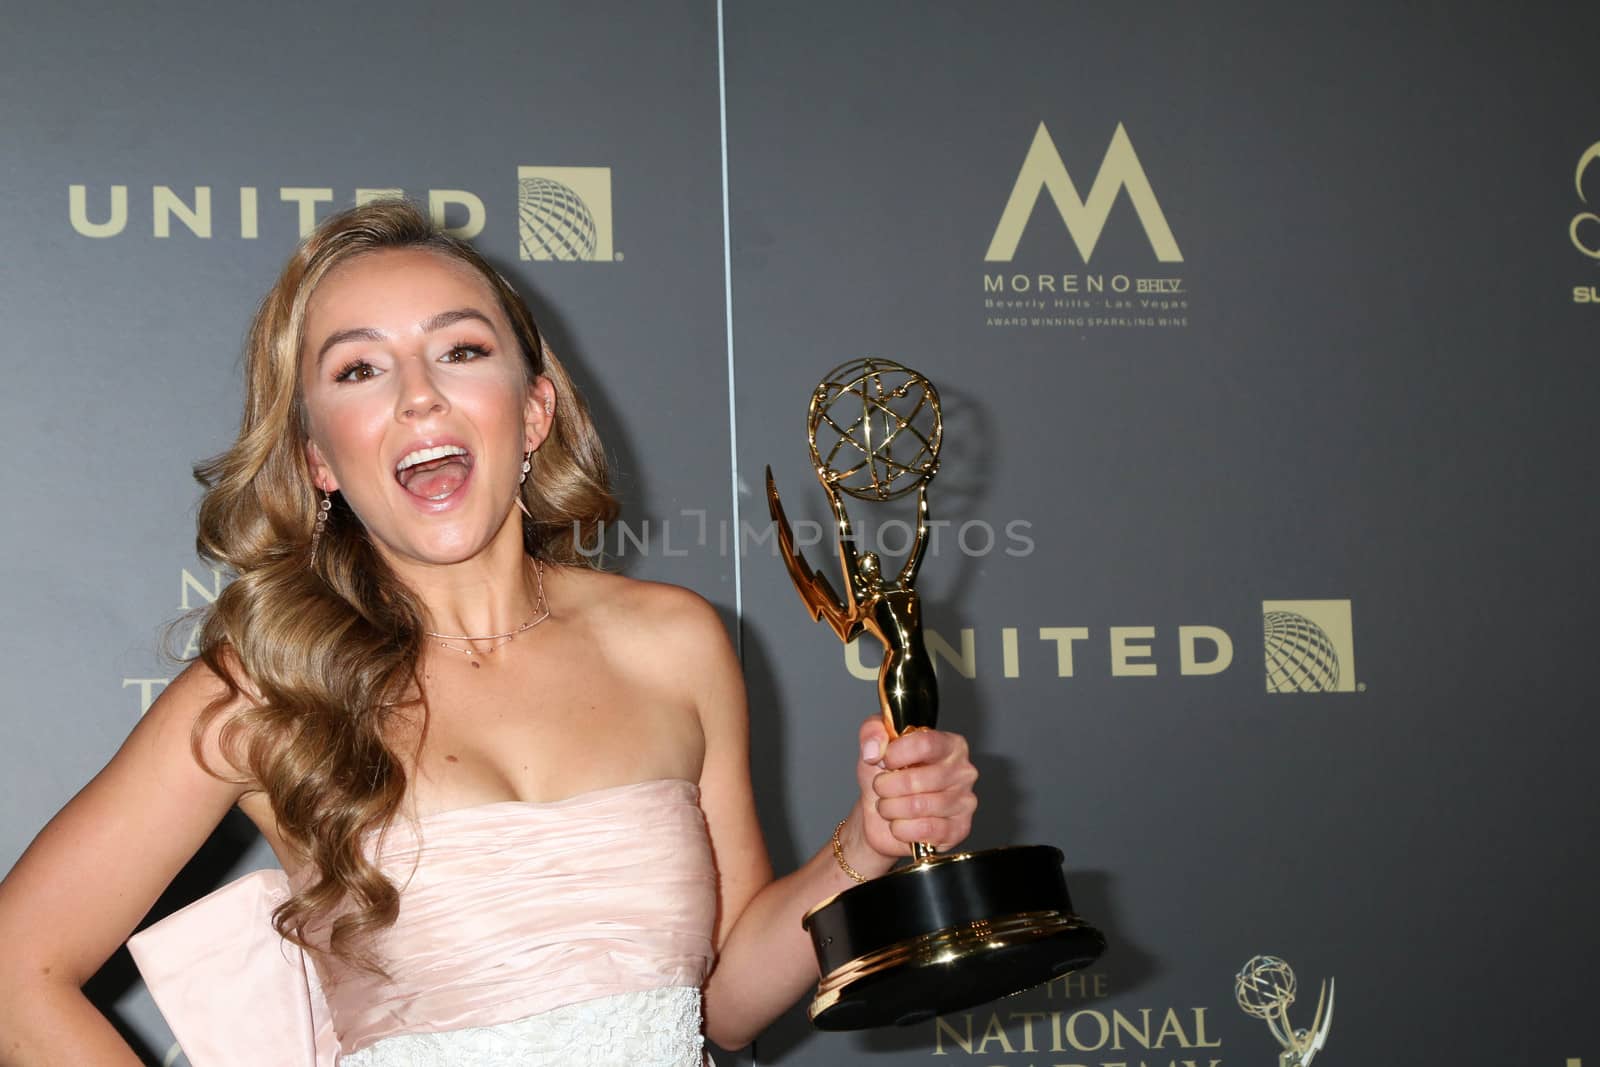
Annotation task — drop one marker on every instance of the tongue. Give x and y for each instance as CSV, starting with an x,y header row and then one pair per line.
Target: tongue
x,y
435,480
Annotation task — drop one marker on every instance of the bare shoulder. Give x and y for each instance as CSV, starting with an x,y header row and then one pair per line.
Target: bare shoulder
x,y
639,609
198,699
673,630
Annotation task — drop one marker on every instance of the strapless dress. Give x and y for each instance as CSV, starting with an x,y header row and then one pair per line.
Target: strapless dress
x,y
572,932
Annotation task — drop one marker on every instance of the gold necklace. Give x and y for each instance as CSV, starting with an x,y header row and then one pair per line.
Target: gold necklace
x,y
541,613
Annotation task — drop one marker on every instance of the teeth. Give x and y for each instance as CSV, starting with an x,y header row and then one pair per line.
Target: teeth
x,y
427,455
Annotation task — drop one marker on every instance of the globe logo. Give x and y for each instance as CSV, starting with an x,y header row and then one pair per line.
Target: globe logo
x,y
554,221
1301,657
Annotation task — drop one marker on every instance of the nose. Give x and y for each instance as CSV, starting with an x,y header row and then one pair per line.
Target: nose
x,y
419,394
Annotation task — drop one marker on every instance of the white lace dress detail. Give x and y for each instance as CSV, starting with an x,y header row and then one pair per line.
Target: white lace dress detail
x,y
648,1028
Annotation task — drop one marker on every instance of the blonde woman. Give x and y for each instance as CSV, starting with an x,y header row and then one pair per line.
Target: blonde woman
x,y
509,792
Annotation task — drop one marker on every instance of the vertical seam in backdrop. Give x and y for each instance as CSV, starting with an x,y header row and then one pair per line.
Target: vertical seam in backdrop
x,y
727,325
727,300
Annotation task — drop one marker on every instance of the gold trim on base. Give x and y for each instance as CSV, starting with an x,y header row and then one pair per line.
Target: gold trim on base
x,y
941,948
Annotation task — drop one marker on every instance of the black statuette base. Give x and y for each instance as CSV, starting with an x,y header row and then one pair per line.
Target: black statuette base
x,y
946,934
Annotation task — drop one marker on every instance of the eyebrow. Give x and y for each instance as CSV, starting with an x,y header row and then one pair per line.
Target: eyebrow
x,y
368,333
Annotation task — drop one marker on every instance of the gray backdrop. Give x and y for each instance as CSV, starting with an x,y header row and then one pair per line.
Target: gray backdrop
x,y
1298,377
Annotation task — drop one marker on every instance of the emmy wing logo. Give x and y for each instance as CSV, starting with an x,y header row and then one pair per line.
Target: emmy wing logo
x,y
564,213
1310,646
1264,988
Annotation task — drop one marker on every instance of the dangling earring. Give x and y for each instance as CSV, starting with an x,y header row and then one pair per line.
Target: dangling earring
x,y
527,465
323,507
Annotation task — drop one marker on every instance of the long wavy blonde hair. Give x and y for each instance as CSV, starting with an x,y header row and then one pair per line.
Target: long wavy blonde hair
x,y
325,652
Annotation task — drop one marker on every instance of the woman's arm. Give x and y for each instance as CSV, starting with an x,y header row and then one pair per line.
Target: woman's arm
x,y
95,870
918,789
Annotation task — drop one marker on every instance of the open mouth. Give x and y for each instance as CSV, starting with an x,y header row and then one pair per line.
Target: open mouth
x,y
433,473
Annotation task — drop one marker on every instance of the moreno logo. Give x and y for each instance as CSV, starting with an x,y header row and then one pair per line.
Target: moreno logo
x,y
1085,217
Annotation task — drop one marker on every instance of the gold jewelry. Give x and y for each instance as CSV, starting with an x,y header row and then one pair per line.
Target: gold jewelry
x,y
542,612
838,853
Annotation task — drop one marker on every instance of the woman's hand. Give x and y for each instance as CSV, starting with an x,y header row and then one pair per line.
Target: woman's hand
x,y
917,787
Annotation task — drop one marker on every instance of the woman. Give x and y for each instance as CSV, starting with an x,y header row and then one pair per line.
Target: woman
x,y
510,793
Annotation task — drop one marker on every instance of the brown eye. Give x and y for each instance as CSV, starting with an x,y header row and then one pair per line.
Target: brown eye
x,y
465,353
359,371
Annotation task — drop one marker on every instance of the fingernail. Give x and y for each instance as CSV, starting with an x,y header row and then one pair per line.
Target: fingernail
x,y
870,751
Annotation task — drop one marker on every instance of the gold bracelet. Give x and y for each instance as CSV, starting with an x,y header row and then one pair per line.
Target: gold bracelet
x,y
838,853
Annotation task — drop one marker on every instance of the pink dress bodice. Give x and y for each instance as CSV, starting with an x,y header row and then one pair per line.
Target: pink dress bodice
x,y
507,910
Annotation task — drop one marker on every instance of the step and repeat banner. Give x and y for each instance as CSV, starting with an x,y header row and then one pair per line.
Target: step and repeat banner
x,y
1260,573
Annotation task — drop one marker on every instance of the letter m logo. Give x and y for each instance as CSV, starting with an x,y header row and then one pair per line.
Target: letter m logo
x,y
1043,170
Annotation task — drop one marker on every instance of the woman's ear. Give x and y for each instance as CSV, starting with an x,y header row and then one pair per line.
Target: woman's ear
x,y
539,414
321,474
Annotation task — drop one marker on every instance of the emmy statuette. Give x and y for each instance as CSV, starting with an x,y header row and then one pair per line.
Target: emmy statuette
x,y
1265,988
948,931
